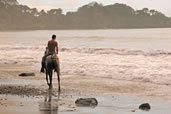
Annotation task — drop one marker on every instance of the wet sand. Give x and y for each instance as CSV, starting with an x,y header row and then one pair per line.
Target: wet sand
x,y
20,95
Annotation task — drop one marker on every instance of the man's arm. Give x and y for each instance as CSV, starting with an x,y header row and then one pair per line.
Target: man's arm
x,y
48,44
56,47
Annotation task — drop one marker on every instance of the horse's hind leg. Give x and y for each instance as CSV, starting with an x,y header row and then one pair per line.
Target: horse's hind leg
x,y
50,77
59,87
47,77
58,76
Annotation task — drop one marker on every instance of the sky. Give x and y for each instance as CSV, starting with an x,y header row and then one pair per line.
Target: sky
x,y
72,5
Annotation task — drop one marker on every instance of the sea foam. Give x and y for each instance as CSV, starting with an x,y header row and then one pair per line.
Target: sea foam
x,y
122,64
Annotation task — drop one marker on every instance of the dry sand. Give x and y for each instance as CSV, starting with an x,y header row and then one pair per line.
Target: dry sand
x,y
20,95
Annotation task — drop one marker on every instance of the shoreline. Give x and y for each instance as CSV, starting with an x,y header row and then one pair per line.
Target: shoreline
x,y
136,28
113,95
93,85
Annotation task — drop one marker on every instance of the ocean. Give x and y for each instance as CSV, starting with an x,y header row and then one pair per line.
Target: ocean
x,y
124,54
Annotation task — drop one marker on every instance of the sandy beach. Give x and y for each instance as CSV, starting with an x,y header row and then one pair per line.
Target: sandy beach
x,y
20,95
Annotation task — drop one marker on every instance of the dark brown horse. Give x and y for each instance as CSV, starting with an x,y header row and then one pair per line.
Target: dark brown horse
x,y
52,64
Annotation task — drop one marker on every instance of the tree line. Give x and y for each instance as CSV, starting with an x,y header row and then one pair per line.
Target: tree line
x,y
14,16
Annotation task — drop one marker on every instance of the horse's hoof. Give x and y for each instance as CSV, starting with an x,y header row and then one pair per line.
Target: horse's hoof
x,y
50,86
59,90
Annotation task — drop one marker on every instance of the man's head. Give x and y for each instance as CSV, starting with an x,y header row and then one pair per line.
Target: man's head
x,y
53,37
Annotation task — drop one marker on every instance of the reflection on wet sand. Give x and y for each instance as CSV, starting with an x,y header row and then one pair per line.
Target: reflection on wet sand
x,y
50,105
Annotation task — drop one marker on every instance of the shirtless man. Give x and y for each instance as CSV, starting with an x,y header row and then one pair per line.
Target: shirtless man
x,y
52,49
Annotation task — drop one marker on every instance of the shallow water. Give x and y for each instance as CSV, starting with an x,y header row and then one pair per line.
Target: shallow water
x,y
63,105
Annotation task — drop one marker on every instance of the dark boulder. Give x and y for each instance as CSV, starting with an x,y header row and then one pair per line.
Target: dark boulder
x,y
27,74
145,107
87,102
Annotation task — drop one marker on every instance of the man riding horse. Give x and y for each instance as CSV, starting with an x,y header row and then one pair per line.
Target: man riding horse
x,y
52,48
50,61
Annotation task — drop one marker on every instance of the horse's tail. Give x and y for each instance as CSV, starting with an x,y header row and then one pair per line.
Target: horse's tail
x,y
53,63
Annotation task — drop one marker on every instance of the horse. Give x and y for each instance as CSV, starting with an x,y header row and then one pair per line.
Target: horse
x,y
51,64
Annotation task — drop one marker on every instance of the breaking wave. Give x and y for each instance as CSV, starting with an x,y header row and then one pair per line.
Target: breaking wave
x,y
88,50
132,65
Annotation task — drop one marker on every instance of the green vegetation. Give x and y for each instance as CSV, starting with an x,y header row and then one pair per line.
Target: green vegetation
x,y
14,16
